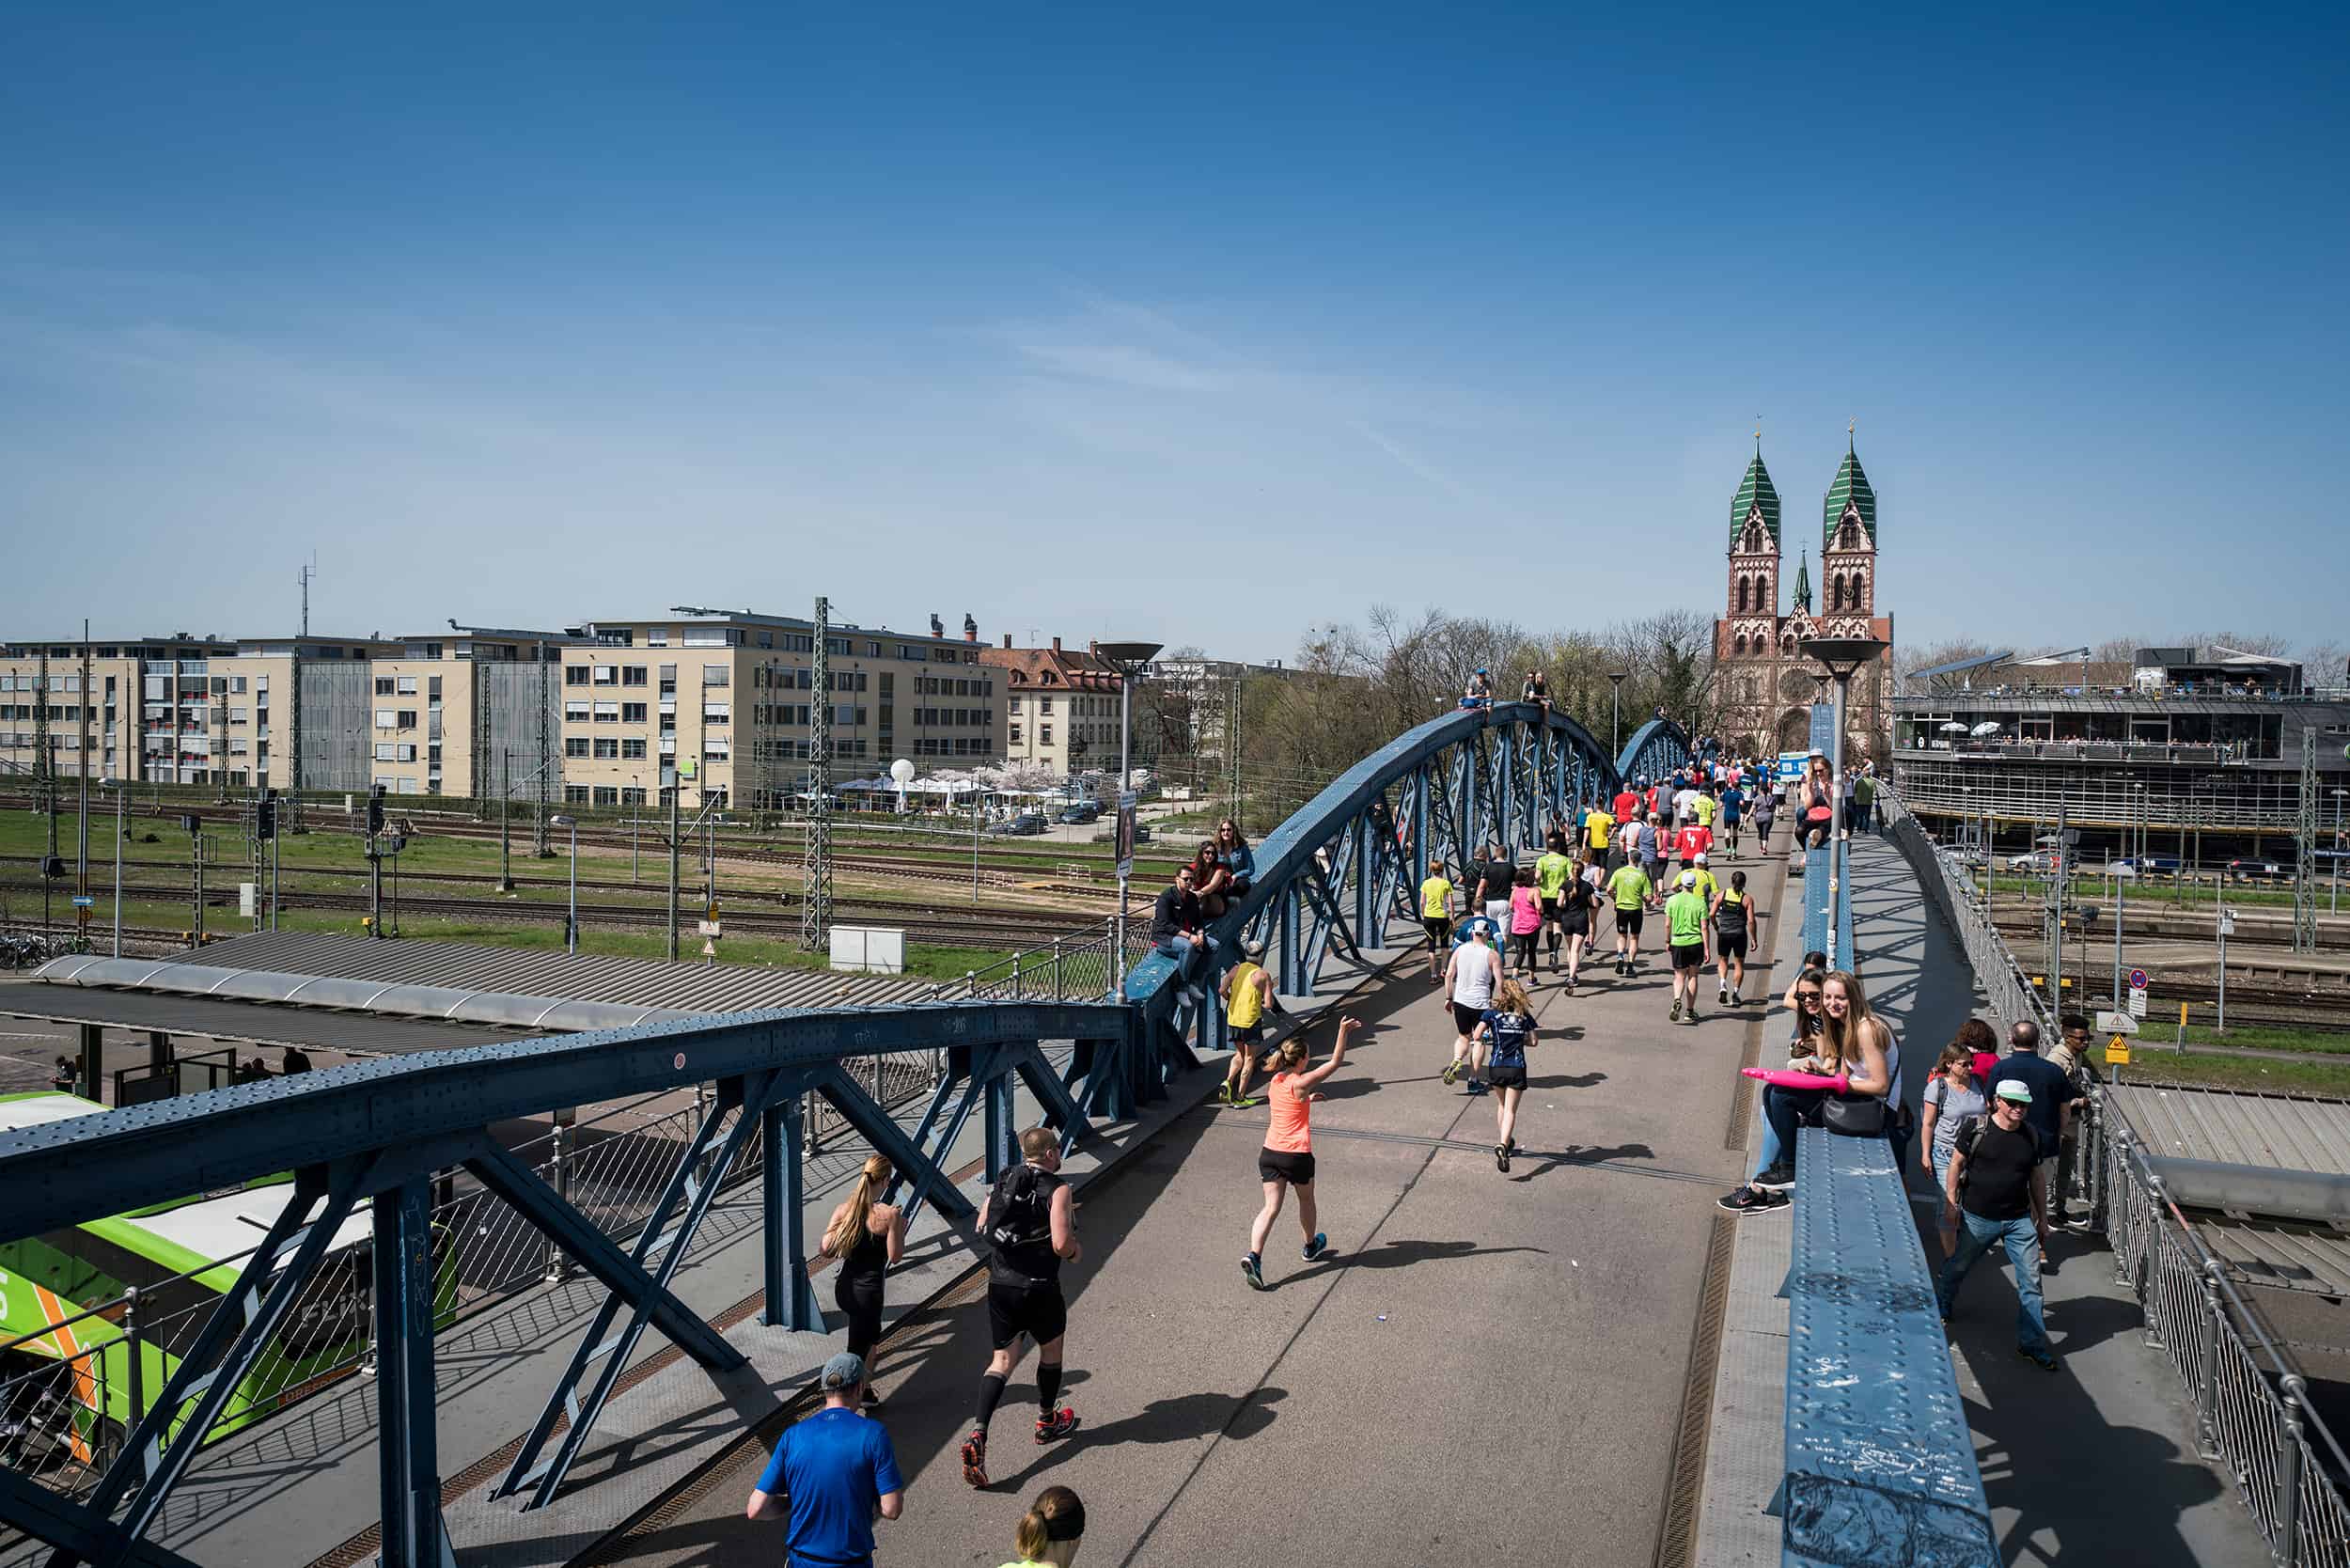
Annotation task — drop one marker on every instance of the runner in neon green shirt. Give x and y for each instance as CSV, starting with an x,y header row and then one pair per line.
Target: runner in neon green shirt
x,y
1685,915
1551,874
1632,893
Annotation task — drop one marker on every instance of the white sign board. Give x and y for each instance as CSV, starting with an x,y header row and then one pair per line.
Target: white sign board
x,y
248,899
2137,1001
2117,1023
1126,834
869,950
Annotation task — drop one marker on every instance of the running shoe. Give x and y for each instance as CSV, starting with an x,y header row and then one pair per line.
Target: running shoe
x,y
1224,1092
1721,997
975,1457
1676,1013
1693,1013
1243,1104
1453,1072
1778,1178
1570,985
1316,1247
1501,1158
2039,1358
1252,1271
1749,1200
1475,1089
1060,1423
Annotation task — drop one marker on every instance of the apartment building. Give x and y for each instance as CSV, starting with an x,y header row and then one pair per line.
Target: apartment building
x,y
471,711
1060,707
718,702
175,710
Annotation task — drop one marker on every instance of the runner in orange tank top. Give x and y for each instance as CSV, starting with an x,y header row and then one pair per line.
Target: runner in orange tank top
x,y
1287,1159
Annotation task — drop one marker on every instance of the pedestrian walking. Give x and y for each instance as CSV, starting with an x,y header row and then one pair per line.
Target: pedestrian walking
x,y
1996,1195
1472,974
2053,1093
1684,917
1508,1030
1247,993
1048,1536
1948,1101
1733,816
1030,1225
1496,875
1551,872
832,1474
1287,1159
1577,897
869,1237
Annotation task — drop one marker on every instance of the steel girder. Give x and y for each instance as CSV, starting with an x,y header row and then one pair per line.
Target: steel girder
x,y
377,1131
1655,750
1330,878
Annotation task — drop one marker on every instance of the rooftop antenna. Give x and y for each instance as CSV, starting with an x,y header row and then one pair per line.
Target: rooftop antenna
x,y
309,570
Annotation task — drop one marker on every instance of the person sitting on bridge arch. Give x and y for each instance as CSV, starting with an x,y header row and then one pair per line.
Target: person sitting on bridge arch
x,y
1479,691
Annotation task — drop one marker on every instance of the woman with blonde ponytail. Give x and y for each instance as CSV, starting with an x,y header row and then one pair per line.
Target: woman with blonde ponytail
x,y
867,1236
1048,1536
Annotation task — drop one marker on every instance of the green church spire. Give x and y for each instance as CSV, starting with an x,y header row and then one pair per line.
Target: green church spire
x,y
1803,584
1755,494
1851,490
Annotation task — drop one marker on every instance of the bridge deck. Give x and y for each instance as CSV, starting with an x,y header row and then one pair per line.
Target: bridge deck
x,y
1417,1397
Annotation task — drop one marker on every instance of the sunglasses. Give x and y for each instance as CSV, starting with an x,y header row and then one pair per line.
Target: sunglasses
x,y
1806,995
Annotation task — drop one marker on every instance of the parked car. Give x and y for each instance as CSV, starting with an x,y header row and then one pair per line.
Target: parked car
x,y
2039,862
2151,865
2259,870
1080,811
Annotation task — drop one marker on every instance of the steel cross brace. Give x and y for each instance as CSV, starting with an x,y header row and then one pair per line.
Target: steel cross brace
x,y
232,1339
73,1527
665,1249
407,1449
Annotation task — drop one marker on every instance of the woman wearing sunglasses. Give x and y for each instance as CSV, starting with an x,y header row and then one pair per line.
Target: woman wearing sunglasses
x,y
1775,1164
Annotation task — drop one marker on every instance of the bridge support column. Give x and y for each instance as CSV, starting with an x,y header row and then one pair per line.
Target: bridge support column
x,y
407,1450
791,1298
90,1074
1368,933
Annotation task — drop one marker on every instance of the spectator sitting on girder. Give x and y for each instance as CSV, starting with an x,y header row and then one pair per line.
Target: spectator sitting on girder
x,y
1480,692
1175,922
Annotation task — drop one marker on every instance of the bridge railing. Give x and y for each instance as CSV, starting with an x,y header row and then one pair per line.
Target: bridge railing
x,y
2251,1405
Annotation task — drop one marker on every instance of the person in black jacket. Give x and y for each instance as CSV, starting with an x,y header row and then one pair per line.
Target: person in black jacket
x,y
1175,919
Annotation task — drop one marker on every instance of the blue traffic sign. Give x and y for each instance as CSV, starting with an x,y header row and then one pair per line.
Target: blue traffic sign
x,y
82,900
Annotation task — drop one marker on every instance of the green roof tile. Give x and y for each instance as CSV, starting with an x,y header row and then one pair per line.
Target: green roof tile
x,y
1852,486
1802,585
1756,490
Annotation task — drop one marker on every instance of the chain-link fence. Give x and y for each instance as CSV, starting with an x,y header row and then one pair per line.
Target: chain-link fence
x,y
2252,1407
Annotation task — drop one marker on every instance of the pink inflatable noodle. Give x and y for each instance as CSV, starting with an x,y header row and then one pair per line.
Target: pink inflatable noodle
x,y
1787,1077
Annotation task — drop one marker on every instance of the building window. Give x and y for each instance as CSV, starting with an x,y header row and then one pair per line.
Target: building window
x,y
607,750
632,713
631,675
1015,735
1044,733
607,675
382,685
714,712
629,796
574,746
575,675
633,751
717,675
576,712
608,712
575,795
383,718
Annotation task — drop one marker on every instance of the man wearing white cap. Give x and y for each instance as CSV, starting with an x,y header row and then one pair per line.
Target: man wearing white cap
x,y
1996,1194
1684,916
834,1472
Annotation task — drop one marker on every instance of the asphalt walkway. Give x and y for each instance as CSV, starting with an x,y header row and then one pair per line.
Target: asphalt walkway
x,y
1487,1366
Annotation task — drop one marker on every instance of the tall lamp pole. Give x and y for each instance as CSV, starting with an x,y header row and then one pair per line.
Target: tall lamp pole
x,y
2334,900
122,795
1615,734
570,917
1128,659
1841,657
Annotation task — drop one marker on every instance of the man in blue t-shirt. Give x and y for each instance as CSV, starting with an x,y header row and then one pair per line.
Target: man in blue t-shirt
x,y
834,1470
2052,1092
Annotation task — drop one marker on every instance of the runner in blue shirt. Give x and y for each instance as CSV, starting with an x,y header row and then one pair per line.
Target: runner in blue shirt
x,y
1507,1029
836,1470
1733,810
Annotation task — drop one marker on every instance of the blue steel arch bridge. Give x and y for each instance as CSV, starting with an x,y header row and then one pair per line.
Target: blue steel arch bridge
x,y
371,1137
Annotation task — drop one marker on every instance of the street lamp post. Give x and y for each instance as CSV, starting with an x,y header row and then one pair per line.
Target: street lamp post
x,y
2334,899
1615,732
571,919
1841,657
1128,659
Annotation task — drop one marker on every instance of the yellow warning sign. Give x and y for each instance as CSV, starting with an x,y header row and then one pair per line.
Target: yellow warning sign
x,y
2118,1051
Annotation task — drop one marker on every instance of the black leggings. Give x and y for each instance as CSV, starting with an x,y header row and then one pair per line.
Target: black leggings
x,y
860,1297
1521,943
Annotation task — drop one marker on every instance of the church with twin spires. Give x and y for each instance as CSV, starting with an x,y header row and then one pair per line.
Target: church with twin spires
x,y
1764,683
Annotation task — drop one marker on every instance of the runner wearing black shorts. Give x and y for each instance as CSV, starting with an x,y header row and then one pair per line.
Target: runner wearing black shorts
x,y
1506,1030
1287,1159
1733,917
1436,918
1029,1220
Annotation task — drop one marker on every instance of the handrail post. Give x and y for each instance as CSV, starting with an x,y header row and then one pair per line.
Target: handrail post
x,y
131,1343
559,1170
2208,1384
1058,994
2287,1547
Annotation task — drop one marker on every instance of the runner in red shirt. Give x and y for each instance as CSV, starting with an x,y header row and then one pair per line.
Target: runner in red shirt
x,y
1692,842
1625,803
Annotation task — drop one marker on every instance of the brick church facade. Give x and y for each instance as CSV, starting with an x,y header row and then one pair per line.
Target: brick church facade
x,y
1765,685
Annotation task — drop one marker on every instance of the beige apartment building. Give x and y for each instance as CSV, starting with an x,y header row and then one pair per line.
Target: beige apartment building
x,y
176,710
718,702
472,712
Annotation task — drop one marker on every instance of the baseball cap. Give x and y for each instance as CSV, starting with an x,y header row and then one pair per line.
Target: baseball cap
x,y
2015,1090
1689,879
844,1371
1700,858
1254,948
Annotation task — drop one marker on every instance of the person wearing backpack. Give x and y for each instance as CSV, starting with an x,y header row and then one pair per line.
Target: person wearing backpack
x,y
1996,1194
1029,1222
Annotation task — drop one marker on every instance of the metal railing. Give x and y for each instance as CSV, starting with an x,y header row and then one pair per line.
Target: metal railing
x,y
1079,967
2251,1406
2242,801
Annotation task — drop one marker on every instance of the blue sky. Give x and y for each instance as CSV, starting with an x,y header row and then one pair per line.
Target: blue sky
x,y
1205,326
